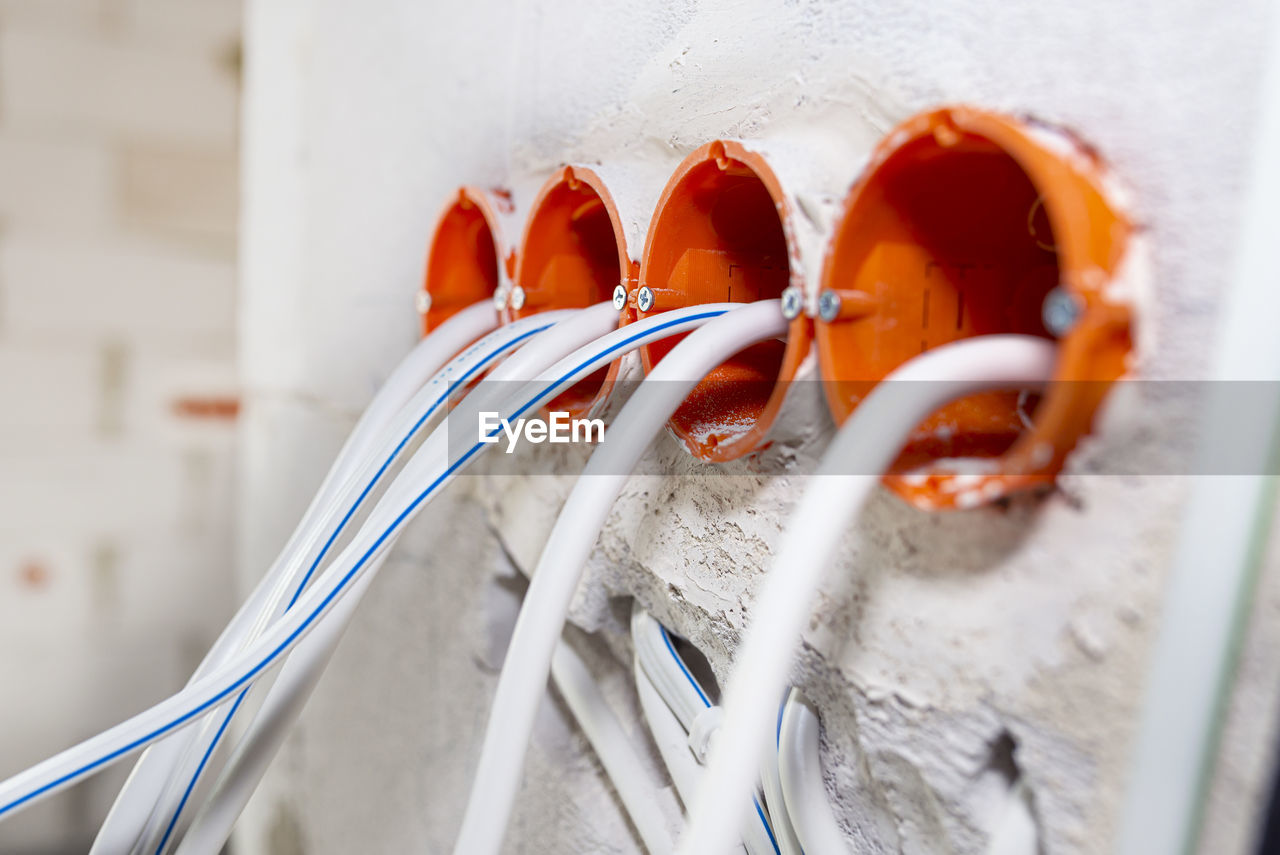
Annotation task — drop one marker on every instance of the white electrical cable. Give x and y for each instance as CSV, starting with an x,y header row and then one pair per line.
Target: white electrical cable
x,y
121,830
863,448
800,768
347,573
1224,532
634,785
300,675
670,737
302,672
784,831
524,673
369,460
667,672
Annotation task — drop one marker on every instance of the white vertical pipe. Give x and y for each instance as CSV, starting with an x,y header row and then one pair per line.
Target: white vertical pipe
x,y
1221,541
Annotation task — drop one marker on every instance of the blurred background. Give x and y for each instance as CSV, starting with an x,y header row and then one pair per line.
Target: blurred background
x,y
118,208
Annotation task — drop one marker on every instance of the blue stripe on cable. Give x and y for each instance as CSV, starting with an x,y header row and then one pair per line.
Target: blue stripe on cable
x,y
666,637
765,822
186,794
453,387
195,778
275,652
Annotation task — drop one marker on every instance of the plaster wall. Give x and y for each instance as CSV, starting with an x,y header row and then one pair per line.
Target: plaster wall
x,y
949,653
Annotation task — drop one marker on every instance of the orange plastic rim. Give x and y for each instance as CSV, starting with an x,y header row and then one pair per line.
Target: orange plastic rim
x,y
961,225
719,235
573,255
463,258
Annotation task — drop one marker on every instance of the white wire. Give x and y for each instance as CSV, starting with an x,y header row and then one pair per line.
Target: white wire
x,y
369,463
524,673
348,573
634,785
302,672
805,793
666,670
143,790
670,737
865,447
1224,531
780,817
663,668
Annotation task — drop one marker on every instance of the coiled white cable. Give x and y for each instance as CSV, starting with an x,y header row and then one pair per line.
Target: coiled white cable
x,y
348,573
141,794
864,447
524,673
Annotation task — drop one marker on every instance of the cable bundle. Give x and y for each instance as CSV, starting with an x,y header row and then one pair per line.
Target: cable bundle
x,y
299,611
303,592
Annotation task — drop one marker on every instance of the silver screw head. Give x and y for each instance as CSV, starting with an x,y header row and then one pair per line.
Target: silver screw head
x,y
792,303
516,299
422,302
500,298
1060,312
828,305
644,300
620,297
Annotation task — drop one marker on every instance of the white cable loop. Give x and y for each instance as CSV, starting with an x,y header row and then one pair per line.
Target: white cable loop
x,y
865,446
524,673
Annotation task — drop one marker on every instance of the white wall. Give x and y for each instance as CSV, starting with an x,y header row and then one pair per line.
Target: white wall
x,y
937,635
118,203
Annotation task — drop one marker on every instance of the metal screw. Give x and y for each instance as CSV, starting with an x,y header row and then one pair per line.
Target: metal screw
x,y
500,298
644,300
620,297
422,302
516,299
1060,312
828,305
792,303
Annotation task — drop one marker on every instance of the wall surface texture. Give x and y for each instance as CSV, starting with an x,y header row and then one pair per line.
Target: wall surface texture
x,y
118,201
951,653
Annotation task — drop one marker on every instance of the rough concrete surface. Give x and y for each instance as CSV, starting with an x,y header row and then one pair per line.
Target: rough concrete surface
x,y
949,653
